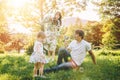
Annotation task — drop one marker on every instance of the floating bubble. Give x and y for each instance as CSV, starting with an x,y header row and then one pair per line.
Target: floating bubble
x,y
81,69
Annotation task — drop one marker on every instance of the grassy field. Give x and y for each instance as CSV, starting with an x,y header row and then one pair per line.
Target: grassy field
x,y
16,67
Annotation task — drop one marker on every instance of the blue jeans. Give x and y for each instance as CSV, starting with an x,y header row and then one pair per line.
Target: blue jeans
x,y
63,54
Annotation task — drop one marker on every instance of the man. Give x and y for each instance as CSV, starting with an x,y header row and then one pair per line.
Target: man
x,y
76,51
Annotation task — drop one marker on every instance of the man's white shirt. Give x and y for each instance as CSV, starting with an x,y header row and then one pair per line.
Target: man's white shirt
x,y
79,50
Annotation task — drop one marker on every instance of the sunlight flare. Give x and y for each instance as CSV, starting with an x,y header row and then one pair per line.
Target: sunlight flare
x,y
17,3
18,28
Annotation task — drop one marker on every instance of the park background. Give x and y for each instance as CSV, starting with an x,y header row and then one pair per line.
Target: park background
x,y
20,20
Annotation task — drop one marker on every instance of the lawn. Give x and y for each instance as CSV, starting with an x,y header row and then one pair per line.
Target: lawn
x,y
16,67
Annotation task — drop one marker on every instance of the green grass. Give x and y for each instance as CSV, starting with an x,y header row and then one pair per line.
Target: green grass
x,y
17,67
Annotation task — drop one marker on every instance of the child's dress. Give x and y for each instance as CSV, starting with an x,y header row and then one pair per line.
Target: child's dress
x,y
37,55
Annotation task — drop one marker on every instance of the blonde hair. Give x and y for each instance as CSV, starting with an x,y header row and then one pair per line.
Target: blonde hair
x,y
41,34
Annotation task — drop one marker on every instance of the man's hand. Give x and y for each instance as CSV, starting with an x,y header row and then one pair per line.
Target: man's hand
x,y
68,49
92,56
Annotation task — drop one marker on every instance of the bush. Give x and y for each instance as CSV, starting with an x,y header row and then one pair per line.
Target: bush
x,y
110,52
29,49
1,51
1,47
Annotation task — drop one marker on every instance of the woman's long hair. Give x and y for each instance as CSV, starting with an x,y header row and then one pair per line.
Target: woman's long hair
x,y
55,21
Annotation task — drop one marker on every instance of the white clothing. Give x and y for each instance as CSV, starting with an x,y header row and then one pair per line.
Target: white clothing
x,y
37,55
78,50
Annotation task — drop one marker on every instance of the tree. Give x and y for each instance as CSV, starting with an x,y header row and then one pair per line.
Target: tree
x,y
109,10
32,12
94,33
111,36
2,17
4,36
67,7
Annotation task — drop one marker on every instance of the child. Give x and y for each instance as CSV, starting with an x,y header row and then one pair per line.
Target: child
x,y
37,57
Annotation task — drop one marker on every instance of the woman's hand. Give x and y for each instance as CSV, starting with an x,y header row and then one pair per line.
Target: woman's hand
x,y
43,56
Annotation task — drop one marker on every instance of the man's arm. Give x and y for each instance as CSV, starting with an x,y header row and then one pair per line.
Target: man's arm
x,y
92,56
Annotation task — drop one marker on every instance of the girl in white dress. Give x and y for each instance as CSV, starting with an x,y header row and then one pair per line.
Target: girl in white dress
x,y
37,57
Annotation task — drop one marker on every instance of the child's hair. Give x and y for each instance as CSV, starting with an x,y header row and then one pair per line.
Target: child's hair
x,y
41,34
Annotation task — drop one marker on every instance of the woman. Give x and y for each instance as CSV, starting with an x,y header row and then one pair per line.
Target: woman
x,y
52,28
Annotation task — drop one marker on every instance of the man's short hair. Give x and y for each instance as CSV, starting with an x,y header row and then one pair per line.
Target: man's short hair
x,y
80,32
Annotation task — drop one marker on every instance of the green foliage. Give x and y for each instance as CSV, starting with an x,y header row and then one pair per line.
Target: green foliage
x,y
1,47
30,44
110,52
110,37
71,29
109,10
29,49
